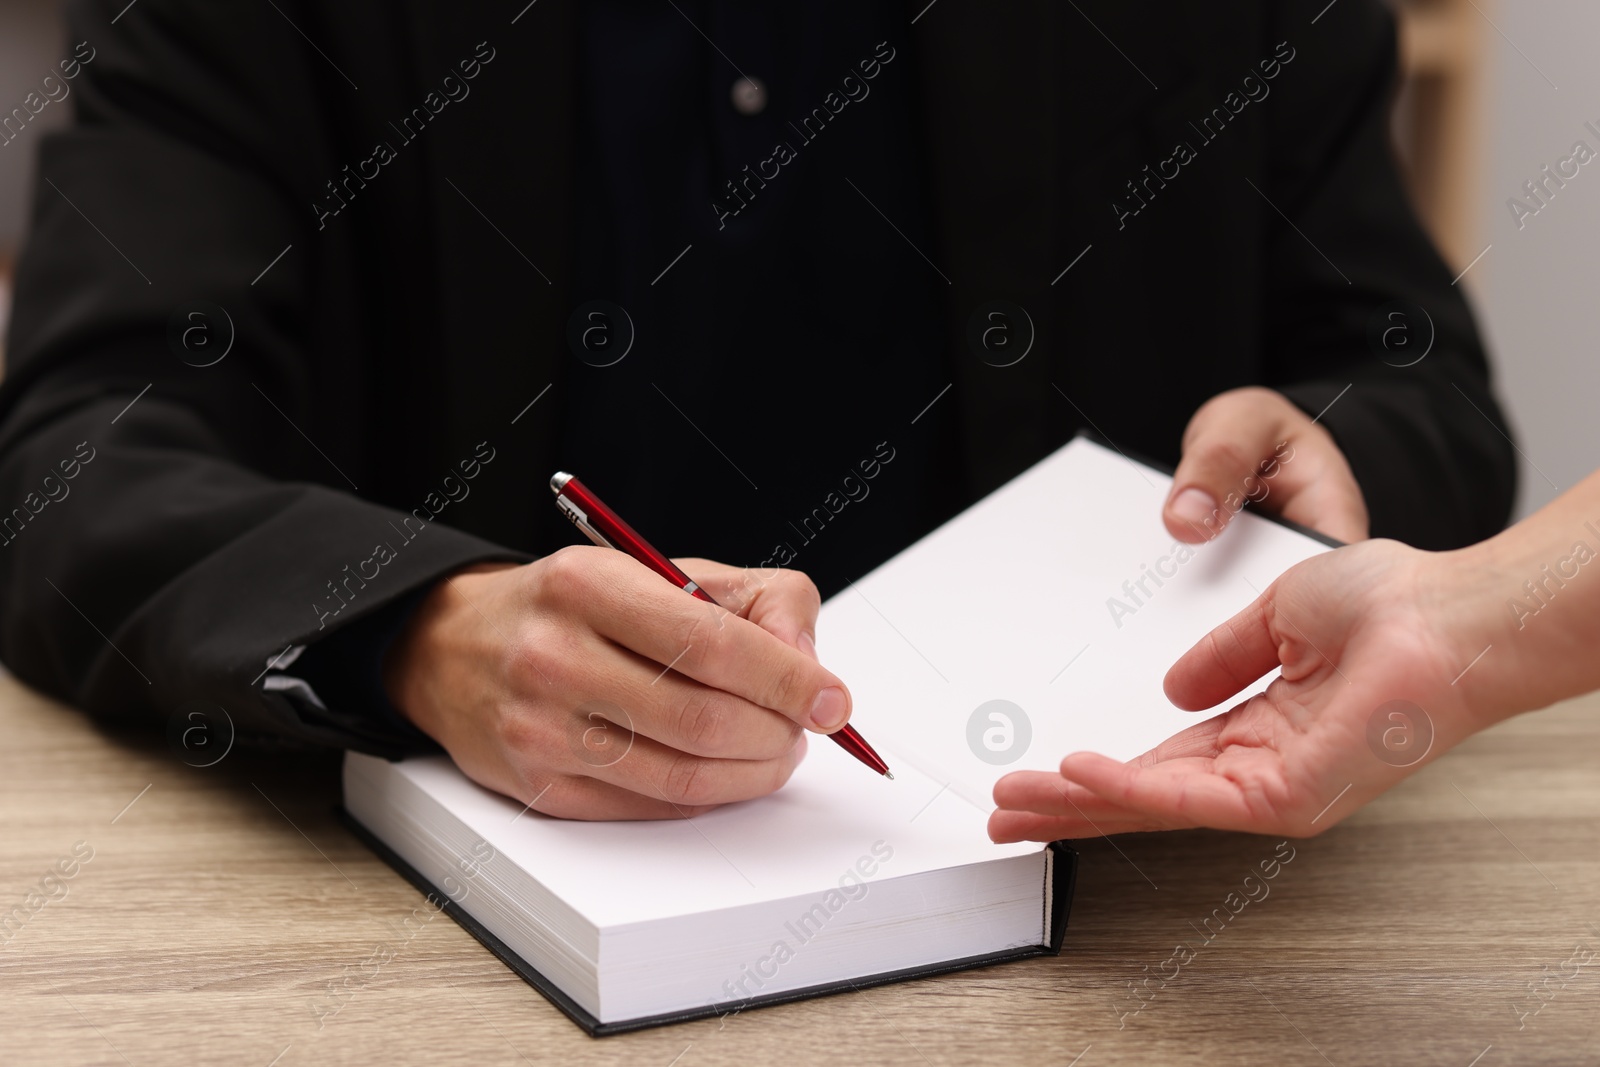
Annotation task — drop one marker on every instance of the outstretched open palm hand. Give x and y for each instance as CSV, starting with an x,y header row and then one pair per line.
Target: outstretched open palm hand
x,y
1365,697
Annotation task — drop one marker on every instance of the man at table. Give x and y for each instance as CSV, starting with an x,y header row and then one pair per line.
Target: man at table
x,y
317,296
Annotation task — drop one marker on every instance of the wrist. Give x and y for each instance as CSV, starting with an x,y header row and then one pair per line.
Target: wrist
x,y
1465,598
439,628
1519,599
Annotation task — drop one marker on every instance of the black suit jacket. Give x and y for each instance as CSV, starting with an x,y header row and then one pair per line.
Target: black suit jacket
x,y
385,342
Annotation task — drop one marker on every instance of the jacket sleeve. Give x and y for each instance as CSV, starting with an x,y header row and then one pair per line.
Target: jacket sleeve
x,y
1356,292
160,518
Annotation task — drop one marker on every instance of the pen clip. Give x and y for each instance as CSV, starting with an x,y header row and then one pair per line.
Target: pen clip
x,y
581,521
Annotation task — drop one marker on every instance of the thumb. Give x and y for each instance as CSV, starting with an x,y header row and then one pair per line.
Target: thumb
x,y
1225,660
1220,470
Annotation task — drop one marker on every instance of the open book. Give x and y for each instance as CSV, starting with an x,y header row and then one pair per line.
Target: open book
x,y
1037,623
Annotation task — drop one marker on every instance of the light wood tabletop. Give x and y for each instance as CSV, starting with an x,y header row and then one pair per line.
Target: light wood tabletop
x,y
208,910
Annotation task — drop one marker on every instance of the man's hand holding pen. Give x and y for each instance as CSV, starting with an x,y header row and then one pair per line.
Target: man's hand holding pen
x,y
512,668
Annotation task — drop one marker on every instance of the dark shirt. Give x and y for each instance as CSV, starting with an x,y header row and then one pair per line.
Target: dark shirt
x,y
800,300
381,346
796,298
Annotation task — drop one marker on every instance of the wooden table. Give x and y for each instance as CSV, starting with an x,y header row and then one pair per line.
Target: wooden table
x,y
220,903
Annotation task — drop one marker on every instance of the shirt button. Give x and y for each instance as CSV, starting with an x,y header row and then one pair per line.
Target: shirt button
x,y
749,96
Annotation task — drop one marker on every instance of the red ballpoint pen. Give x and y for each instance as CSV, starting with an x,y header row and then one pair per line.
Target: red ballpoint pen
x,y
605,528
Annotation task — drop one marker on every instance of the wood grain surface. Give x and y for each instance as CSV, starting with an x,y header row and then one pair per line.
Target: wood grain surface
x,y
1453,922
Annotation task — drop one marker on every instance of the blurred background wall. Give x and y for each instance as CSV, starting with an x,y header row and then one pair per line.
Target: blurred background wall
x,y
1537,284
1493,92
31,44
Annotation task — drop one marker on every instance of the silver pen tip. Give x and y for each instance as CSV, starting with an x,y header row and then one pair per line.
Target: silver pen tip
x,y
559,480
889,775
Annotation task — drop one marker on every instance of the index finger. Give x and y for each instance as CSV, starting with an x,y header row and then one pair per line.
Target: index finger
x,y
782,602
636,609
1225,660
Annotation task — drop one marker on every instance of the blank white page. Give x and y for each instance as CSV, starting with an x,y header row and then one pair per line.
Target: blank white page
x,y
996,604
992,605
797,842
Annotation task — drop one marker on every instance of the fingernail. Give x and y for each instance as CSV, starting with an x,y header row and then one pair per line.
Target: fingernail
x,y
830,709
1194,505
808,646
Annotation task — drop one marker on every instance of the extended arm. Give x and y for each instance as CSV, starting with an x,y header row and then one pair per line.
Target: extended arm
x,y
1390,656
